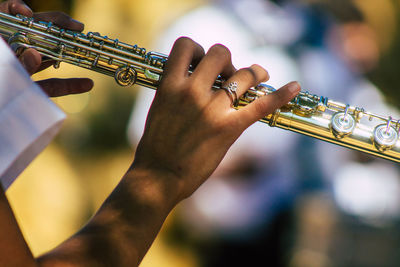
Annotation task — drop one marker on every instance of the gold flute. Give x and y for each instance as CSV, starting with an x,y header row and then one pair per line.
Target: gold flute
x,y
309,114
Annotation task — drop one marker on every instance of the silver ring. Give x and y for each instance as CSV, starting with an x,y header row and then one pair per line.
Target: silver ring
x,y
231,90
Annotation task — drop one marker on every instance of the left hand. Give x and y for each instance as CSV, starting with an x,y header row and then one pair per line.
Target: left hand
x,y
32,60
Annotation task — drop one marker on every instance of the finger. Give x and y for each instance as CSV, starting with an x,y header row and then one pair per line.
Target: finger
x,y
266,105
216,62
184,53
60,19
31,60
15,7
61,87
244,78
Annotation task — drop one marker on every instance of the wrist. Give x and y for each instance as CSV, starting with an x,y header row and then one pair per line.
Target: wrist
x,y
155,184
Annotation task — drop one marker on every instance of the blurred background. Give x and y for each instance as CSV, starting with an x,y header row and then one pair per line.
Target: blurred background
x,y
278,199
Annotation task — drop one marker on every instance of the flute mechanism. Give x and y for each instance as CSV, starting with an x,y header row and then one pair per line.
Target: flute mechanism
x,y
308,114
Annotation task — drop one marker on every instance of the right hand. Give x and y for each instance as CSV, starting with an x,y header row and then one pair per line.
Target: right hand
x,y
190,127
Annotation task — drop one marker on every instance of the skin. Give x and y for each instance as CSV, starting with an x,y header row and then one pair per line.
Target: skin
x,y
32,60
188,131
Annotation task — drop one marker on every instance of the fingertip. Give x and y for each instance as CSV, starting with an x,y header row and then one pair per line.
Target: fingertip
x,y
20,8
87,84
265,77
76,25
66,21
31,60
294,87
81,85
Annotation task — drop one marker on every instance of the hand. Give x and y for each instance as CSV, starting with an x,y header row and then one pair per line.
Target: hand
x,y
14,7
190,127
32,60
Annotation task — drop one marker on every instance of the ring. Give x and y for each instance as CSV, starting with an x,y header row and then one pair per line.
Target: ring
x,y
231,90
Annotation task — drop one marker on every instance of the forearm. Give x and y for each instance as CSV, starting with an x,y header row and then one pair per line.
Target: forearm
x,y
13,249
125,226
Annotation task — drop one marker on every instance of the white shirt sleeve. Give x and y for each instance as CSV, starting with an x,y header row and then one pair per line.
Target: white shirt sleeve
x,y
28,118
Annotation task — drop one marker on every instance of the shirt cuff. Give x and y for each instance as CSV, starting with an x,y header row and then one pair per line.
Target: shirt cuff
x,y
28,123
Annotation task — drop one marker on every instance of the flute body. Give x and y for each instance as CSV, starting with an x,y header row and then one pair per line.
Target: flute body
x,y
308,114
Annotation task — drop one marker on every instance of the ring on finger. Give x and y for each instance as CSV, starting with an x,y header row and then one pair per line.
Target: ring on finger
x,y
231,91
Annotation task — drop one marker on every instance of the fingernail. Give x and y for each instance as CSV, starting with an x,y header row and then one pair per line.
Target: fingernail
x,y
87,84
77,22
28,8
294,87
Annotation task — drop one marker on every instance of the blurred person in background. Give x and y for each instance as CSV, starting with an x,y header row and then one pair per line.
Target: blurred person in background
x,y
237,216
357,206
197,131
246,211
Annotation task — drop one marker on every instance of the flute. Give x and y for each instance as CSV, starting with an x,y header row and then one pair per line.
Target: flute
x,y
308,114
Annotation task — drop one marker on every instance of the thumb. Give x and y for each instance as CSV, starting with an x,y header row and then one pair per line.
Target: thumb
x,y
31,60
267,104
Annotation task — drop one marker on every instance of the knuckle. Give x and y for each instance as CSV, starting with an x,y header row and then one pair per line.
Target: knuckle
x,y
221,51
262,73
257,67
187,43
184,42
183,39
248,74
